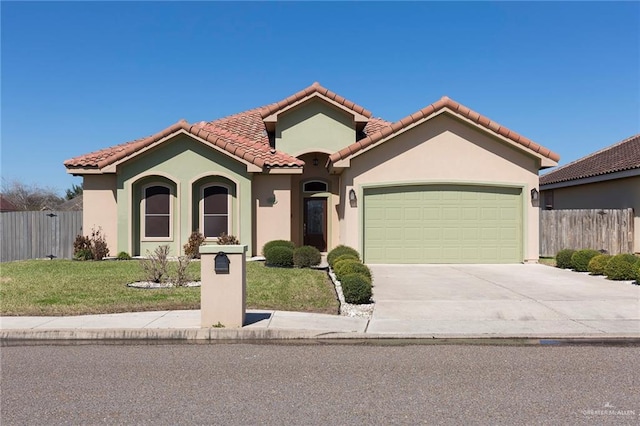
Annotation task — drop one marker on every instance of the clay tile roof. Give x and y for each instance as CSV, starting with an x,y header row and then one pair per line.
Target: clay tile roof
x,y
240,135
314,88
444,102
624,155
243,135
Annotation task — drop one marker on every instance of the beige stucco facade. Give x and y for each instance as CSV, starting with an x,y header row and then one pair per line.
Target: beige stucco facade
x,y
100,208
441,150
272,206
605,194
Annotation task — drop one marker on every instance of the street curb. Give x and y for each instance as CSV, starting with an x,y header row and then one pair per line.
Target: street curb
x,y
245,335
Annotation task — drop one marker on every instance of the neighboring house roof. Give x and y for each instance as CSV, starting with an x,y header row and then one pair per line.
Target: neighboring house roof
x,y
385,132
74,204
620,157
6,205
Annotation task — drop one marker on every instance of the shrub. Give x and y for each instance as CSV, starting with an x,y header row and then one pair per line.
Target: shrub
x,y
350,266
82,248
181,277
123,255
99,249
580,259
155,267
637,272
280,256
621,267
83,254
277,243
225,239
356,288
306,256
93,247
345,257
192,248
339,251
598,263
563,259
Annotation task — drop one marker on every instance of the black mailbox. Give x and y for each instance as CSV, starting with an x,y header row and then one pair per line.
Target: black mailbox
x,y
221,263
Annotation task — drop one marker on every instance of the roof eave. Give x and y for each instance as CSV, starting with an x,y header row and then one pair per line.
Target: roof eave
x,y
84,170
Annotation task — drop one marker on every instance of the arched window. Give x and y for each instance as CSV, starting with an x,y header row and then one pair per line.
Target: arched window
x,y
215,210
315,186
156,211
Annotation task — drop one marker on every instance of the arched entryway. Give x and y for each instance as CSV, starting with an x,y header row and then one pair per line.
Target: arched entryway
x,y
313,203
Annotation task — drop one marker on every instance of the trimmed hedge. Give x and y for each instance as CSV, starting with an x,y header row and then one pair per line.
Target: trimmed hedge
x,y
350,266
638,273
306,256
345,257
598,263
339,251
563,259
356,289
621,267
277,243
280,256
580,259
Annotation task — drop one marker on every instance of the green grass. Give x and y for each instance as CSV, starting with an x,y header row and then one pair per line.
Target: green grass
x,y
65,287
549,261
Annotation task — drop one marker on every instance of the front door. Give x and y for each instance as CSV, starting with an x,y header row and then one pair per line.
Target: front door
x,y
314,227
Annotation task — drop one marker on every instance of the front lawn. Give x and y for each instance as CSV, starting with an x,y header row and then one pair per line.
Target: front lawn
x,y
65,287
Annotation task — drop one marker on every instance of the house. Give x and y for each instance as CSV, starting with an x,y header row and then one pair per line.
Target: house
x,y
442,185
74,204
606,179
6,205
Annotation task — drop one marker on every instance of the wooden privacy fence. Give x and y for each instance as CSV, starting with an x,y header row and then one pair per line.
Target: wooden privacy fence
x,y
41,234
599,229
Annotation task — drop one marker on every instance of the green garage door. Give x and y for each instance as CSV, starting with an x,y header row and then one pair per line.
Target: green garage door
x,y
443,224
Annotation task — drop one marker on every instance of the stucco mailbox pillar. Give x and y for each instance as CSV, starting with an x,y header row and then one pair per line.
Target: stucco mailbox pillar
x,y
223,291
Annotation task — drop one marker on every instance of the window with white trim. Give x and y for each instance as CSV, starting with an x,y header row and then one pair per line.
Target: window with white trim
x,y
156,211
215,210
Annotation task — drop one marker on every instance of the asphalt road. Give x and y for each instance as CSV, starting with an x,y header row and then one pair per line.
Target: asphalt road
x,y
319,384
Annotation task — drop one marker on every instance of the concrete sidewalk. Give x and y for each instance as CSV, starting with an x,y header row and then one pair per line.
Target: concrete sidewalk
x,y
265,325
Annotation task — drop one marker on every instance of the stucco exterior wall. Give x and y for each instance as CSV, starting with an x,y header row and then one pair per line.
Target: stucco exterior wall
x,y
183,160
272,207
99,208
442,150
314,126
612,194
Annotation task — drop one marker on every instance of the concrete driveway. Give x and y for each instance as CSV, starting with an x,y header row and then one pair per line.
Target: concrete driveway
x,y
501,300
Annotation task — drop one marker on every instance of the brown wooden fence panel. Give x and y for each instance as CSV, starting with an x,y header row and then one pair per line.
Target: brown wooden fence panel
x,y
40,234
610,230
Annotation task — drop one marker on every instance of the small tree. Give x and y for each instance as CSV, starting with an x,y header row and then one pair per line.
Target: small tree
x,y
156,266
73,192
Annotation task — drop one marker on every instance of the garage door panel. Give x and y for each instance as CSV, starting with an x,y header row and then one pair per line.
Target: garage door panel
x,y
442,224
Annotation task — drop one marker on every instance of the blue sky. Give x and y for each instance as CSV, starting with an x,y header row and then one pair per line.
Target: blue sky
x,y
81,76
